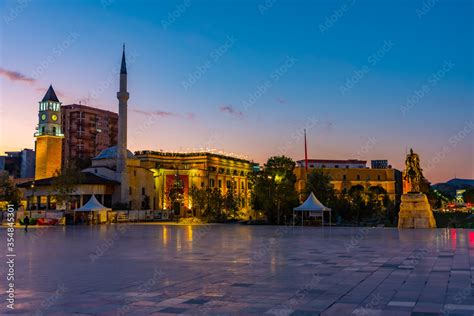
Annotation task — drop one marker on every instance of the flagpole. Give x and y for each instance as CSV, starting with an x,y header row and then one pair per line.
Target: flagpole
x,y
305,152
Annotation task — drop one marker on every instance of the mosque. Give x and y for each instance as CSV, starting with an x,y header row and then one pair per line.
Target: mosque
x,y
140,181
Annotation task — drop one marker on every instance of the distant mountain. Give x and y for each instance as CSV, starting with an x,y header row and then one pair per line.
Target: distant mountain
x,y
449,188
461,182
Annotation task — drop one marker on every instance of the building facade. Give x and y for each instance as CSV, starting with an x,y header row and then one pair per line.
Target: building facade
x,y
200,170
19,164
343,177
332,163
87,131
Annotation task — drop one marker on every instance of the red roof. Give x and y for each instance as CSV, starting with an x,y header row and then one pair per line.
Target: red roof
x,y
348,161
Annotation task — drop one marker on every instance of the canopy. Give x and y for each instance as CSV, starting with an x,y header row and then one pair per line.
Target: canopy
x,y
314,209
92,206
312,204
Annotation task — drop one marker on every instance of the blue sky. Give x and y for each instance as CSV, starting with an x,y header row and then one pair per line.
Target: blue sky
x,y
351,72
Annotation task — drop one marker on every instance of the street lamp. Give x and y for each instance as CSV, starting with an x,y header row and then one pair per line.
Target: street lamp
x,y
33,192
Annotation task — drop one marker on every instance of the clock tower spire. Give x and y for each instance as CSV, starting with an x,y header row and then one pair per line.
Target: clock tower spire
x,y
48,136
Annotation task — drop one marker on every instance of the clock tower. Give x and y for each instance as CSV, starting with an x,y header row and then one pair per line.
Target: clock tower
x,y
49,136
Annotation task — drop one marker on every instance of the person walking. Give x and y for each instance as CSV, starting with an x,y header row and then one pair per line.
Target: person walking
x,y
26,222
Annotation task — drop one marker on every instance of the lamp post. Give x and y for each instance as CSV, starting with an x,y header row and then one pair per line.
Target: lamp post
x,y
33,192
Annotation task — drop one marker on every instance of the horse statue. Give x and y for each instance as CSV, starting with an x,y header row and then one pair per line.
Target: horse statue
x,y
413,175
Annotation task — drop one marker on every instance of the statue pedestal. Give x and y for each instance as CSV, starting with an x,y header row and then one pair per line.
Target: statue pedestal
x,y
415,212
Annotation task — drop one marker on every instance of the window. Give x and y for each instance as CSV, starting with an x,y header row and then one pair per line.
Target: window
x,y
336,166
311,166
227,184
220,184
42,129
130,190
202,184
134,173
323,166
211,183
358,177
242,187
54,130
344,177
143,191
347,166
378,177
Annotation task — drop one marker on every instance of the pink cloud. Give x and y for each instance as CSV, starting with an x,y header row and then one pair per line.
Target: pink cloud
x,y
15,76
165,114
229,109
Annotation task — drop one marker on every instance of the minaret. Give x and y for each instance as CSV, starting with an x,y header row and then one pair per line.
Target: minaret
x,y
122,96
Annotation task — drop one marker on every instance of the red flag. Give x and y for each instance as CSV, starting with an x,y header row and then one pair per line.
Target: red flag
x,y
305,152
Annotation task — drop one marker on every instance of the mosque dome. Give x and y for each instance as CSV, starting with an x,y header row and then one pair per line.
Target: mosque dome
x,y
111,153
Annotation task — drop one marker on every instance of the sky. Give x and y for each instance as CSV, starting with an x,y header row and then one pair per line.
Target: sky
x,y
366,79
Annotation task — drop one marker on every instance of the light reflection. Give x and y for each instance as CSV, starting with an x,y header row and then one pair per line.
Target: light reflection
x,y
273,263
165,236
190,233
453,239
178,239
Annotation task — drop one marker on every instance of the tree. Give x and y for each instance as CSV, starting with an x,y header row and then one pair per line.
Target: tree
x,y
198,198
273,189
65,183
377,202
209,202
468,196
214,205
320,184
357,199
231,200
8,191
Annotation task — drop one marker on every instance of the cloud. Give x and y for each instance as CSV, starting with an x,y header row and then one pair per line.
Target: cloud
x,y
189,116
15,76
281,100
229,109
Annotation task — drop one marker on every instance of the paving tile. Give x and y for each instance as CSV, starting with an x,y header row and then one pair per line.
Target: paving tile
x,y
233,269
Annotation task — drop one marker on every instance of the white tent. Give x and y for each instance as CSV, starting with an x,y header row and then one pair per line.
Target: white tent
x,y
313,207
94,207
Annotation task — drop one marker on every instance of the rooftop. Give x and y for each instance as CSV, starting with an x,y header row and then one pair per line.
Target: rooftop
x,y
87,178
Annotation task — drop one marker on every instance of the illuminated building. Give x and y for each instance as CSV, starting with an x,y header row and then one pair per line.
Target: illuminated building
x,y
201,170
347,173
49,136
118,177
87,131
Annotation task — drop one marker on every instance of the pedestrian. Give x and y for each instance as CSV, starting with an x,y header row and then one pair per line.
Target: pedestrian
x,y
26,222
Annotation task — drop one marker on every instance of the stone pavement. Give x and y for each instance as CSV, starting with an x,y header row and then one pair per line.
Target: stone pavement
x,y
132,269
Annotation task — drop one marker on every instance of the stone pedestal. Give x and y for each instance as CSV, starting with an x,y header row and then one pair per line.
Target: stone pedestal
x,y
415,212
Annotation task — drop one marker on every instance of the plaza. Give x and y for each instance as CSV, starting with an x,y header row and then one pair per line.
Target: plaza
x,y
140,269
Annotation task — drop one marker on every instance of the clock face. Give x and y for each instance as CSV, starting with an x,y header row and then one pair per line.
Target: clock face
x,y
43,117
54,117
